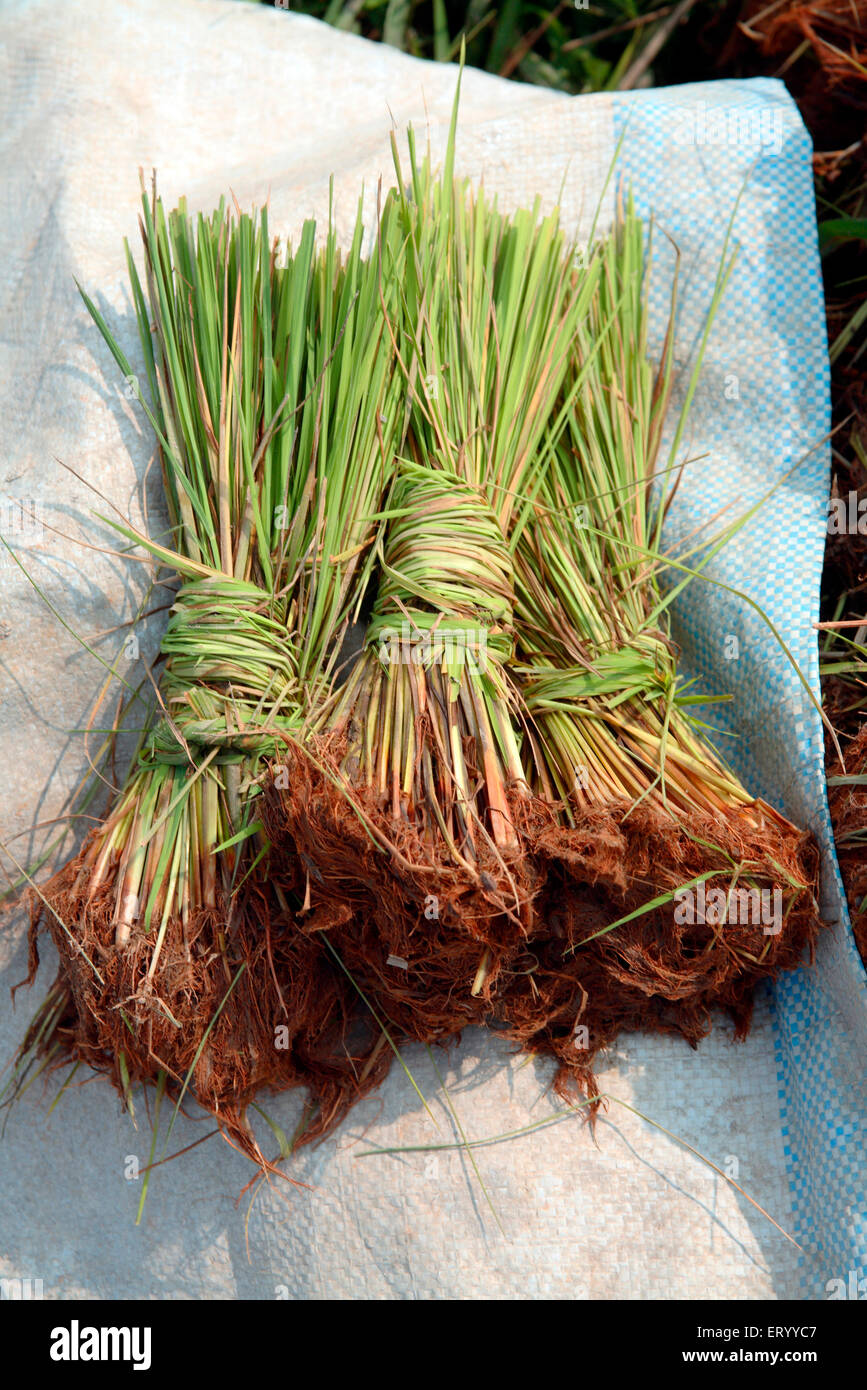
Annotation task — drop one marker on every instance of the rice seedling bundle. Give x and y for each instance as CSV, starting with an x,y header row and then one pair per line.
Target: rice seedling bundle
x,y
413,802
275,407
486,808
669,888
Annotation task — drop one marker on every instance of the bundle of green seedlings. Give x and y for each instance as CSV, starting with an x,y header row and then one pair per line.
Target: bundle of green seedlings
x,y
669,888
276,408
482,809
408,791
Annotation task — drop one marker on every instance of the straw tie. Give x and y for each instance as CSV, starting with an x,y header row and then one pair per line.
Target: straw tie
x,y
230,680
447,589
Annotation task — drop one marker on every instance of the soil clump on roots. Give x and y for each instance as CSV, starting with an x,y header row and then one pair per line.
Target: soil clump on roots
x,y
527,945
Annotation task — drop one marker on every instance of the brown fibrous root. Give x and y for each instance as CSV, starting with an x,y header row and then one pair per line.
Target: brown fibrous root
x,y
390,933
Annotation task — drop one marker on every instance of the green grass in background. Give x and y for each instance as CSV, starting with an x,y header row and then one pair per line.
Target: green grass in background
x,y
567,47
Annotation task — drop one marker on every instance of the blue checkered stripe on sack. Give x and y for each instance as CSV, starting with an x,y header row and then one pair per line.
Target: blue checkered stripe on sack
x,y
760,421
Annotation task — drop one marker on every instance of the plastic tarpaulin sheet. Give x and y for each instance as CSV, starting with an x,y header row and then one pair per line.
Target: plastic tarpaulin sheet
x,y
221,96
